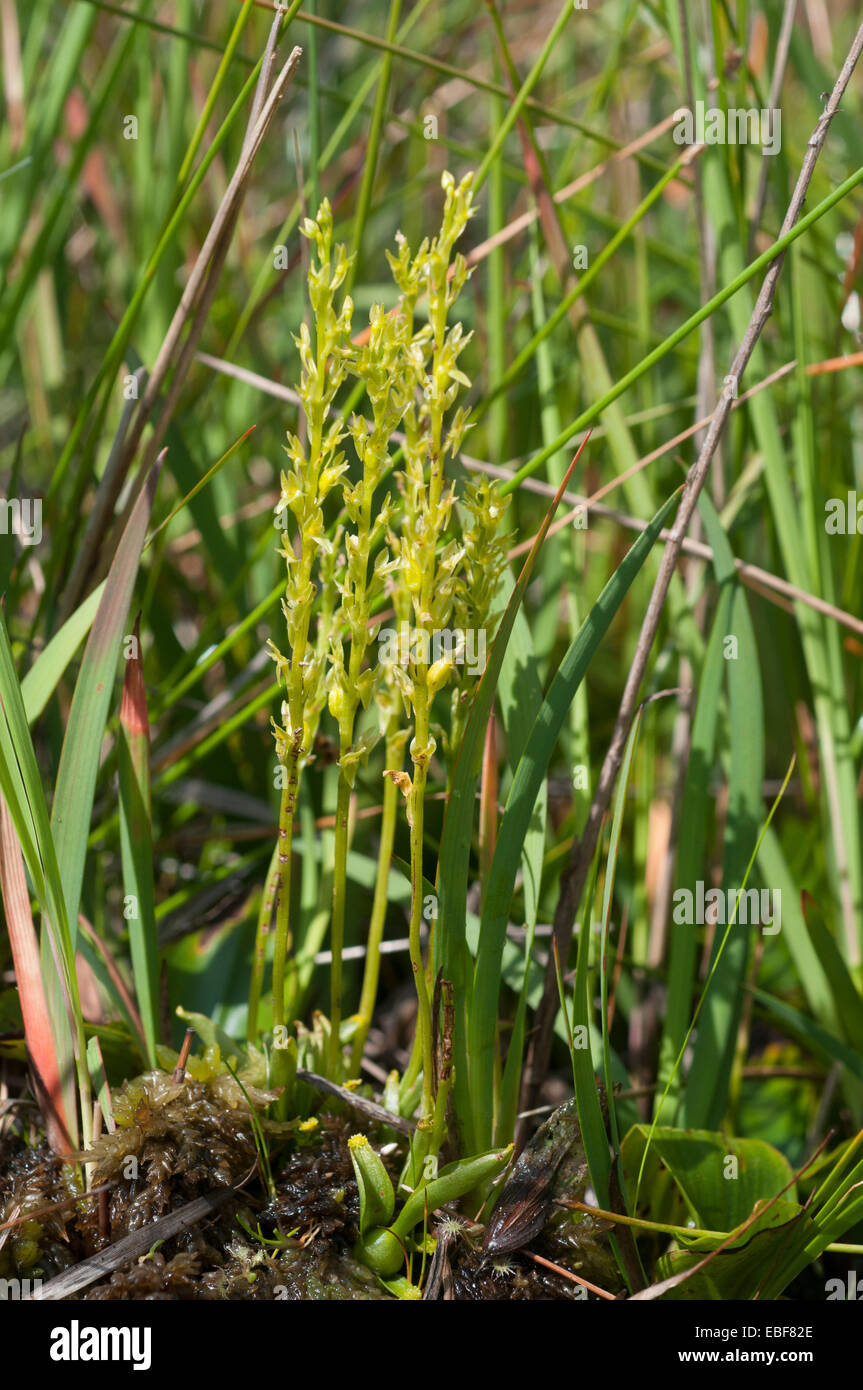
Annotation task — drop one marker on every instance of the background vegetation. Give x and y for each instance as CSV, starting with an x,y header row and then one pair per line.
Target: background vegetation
x,y
142,241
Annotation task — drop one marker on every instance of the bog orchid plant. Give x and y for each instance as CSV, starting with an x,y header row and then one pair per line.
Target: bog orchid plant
x,y
403,547
316,468
353,680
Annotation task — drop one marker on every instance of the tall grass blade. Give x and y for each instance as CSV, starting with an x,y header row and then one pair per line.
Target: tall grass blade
x,y
88,715
136,842
529,775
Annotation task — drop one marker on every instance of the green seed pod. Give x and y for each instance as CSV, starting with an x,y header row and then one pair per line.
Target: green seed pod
x,y
377,1199
452,1182
381,1251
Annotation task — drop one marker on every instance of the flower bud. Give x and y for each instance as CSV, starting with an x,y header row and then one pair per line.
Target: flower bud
x,y
377,1198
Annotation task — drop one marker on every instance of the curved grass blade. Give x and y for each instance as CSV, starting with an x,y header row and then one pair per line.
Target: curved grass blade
x,y
21,786
708,982
807,963
136,843
82,743
193,491
607,899
590,1116
706,1094
520,695
529,776
691,847
812,1033
846,996
694,811
28,976
44,675
450,952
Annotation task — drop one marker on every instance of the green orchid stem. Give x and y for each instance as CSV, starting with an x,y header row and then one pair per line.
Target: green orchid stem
x,y
287,809
337,926
415,1062
299,598
259,959
416,803
371,974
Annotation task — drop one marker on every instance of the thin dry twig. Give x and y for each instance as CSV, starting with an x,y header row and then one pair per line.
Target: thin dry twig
x,y
752,575
179,1073
369,1108
99,519
200,287
783,46
568,1274
130,1247
53,1208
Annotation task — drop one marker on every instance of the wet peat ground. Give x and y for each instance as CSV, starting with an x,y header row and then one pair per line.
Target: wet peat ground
x,y
175,1143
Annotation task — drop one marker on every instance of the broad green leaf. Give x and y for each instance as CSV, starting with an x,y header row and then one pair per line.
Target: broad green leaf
x,y
719,1178
759,1263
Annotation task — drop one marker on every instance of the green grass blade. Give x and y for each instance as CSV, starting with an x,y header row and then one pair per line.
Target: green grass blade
x,y
822,1042
709,1076
88,715
600,406
519,808
846,996
42,679
691,850
589,1107
136,844
21,786
454,856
